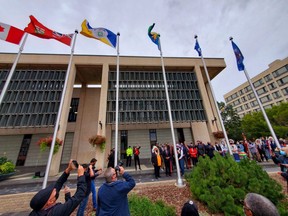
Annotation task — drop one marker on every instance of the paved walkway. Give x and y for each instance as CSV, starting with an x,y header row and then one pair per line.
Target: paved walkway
x,y
17,191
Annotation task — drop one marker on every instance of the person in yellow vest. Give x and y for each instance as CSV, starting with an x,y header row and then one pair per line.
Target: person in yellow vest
x,y
156,161
129,152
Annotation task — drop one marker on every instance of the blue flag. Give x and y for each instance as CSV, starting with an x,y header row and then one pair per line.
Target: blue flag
x,y
154,36
197,48
239,56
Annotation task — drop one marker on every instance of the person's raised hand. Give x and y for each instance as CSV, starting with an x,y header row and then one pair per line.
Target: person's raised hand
x,y
121,170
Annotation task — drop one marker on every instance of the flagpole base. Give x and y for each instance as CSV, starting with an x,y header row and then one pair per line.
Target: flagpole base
x,y
180,183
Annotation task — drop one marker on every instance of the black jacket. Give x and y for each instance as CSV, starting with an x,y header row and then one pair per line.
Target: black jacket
x,y
71,203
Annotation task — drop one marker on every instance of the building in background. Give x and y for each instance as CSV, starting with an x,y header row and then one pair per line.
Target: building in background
x,y
271,86
29,109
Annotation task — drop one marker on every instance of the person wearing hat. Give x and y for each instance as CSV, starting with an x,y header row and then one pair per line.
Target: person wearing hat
x,y
44,202
258,205
189,209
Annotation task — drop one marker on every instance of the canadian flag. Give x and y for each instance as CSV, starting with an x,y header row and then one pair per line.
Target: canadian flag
x,y
10,33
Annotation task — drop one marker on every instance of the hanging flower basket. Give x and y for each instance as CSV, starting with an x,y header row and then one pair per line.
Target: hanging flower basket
x,y
98,140
46,142
218,134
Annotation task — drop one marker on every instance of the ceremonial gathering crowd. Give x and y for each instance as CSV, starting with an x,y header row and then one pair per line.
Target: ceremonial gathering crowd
x,y
112,199
262,149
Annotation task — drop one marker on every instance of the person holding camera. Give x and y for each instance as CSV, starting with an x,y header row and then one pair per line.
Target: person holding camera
x,y
89,174
112,195
97,172
44,202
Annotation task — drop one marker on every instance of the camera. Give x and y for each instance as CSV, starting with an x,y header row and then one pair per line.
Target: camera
x,y
75,163
117,168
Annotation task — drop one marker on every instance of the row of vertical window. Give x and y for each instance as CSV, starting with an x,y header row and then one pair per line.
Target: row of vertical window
x,y
27,107
34,85
28,120
154,85
11,96
156,116
153,94
34,74
153,75
155,105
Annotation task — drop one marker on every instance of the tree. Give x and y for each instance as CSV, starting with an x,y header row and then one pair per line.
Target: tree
x,y
231,120
254,124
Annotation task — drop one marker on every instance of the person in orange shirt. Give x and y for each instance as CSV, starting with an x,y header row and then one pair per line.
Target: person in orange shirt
x,y
156,161
193,152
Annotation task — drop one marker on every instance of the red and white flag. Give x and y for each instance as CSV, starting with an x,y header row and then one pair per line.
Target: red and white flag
x,y
10,33
38,29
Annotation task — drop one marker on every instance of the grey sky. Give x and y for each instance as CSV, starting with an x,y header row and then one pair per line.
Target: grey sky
x,y
259,28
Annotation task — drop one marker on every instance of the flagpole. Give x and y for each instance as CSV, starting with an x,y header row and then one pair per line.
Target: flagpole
x,y
56,127
214,100
179,182
262,109
12,69
117,105
261,106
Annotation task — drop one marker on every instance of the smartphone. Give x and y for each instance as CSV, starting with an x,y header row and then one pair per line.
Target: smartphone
x,y
75,163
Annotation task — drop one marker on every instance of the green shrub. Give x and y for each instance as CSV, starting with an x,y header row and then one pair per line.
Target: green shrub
x,y
142,206
3,160
7,167
222,184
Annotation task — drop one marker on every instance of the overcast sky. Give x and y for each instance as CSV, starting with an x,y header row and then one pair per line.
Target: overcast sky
x,y
259,28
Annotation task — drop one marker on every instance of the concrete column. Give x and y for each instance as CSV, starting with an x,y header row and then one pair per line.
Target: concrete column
x,y
56,160
200,131
101,156
205,99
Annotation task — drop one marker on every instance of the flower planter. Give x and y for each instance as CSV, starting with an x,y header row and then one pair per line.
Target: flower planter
x,y
45,143
98,140
218,134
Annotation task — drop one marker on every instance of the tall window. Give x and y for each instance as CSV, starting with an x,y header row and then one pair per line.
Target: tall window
x,y
153,137
124,143
73,110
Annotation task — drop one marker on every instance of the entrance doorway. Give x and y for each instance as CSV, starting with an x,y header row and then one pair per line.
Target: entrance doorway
x,y
180,134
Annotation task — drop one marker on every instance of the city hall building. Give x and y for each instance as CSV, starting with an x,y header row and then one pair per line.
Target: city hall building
x,y
31,103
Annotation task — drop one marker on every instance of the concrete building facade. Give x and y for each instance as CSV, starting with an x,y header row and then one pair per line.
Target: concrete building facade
x,y
271,86
30,106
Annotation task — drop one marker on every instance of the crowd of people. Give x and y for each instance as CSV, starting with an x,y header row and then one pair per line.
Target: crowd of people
x,y
262,149
162,157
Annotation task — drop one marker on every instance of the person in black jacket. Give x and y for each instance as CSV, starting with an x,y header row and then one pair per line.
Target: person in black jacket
x,y
44,202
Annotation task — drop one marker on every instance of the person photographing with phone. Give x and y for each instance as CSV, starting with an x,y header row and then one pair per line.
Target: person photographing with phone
x,y
112,195
44,202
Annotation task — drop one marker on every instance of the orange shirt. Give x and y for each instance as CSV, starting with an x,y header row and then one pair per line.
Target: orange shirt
x,y
158,160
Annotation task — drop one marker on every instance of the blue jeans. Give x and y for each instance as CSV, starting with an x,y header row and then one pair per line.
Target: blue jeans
x,y
82,206
94,194
181,164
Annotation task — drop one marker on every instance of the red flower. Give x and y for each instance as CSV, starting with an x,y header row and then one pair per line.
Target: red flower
x,y
47,142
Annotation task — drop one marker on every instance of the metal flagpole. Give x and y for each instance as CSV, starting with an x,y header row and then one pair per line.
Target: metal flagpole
x,y
56,127
12,69
117,105
179,179
215,103
261,107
